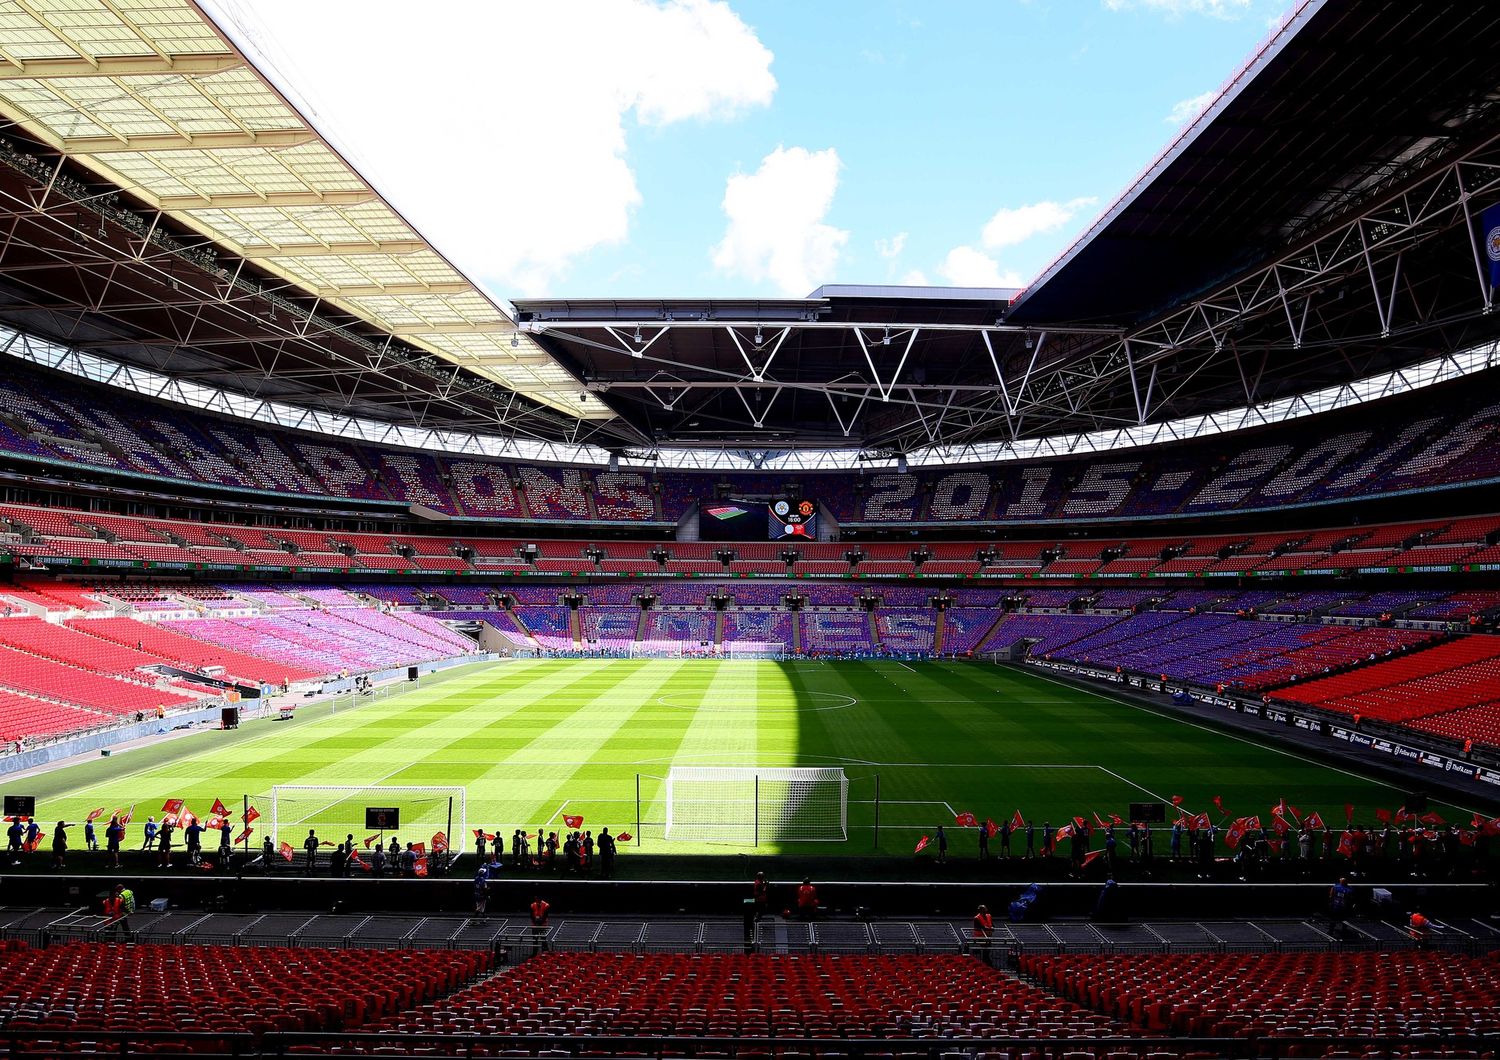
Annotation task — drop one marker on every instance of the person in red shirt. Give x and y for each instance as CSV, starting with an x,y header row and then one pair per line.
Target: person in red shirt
x,y
760,893
1416,927
539,907
807,900
115,912
984,930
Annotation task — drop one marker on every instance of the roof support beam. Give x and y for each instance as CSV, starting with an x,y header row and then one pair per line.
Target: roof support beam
x,y
371,290
383,248
119,66
242,200
216,141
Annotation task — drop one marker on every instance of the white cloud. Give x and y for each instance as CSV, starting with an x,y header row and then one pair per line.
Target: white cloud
x,y
969,267
891,248
915,278
1185,110
1015,225
1177,8
514,163
776,230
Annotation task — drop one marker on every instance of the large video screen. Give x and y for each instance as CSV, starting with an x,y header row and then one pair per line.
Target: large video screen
x,y
742,520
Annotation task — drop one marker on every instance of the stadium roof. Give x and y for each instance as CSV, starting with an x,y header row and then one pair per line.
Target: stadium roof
x,y
168,208
151,97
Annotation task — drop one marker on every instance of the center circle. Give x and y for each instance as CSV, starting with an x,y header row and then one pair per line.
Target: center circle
x,y
821,701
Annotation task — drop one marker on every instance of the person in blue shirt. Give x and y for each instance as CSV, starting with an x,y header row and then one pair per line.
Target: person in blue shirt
x,y
150,828
481,890
1340,895
193,836
33,833
90,842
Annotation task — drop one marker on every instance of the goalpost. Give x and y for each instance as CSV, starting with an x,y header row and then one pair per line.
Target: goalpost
x,y
755,649
656,649
334,811
746,805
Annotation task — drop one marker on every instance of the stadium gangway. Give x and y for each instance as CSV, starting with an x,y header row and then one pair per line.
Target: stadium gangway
x,y
920,1043
512,938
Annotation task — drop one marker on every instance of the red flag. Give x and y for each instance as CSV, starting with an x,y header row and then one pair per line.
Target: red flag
x,y
1219,802
1314,821
1466,838
252,815
1200,822
439,842
218,809
357,861
991,829
243,835
172,807
1346,844
1383,816
1278,822
420,848
371,839
421,864
922,844
324,843
1432,818
1296,813
1100,821
1252,823
480,833
1092,856
286,851
1402,816
1348,813
34,843
213,824
1080,822
185,817
1115,818
95,814
1065,832
125,819
1017,822
1234,833
625,837
1176,800
965,820
1275,845
573,820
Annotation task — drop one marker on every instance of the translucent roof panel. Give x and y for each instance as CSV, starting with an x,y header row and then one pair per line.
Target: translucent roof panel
x,y
151,97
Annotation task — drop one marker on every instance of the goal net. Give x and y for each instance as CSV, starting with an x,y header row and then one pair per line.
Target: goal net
x,y
333,812
755,649
656,649
753,805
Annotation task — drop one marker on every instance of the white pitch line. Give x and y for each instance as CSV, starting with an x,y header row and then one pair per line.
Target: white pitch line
x,y
1220,732
1133,784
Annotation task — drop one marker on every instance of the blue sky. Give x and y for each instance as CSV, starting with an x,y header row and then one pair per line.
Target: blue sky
x,y
757,147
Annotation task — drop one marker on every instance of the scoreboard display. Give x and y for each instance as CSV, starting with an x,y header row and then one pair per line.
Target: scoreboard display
x,y
746,520
793,519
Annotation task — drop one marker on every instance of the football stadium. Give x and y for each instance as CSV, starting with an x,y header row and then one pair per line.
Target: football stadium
x,y
1100,667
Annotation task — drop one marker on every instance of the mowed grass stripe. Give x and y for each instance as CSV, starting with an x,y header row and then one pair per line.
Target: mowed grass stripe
x,y
524,736
535,781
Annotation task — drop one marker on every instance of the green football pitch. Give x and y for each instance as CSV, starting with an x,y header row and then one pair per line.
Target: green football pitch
x,y
532,741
